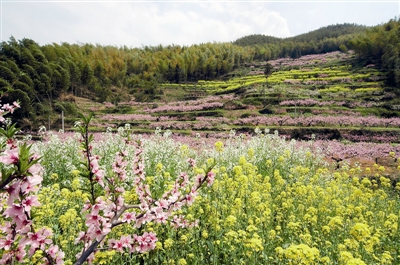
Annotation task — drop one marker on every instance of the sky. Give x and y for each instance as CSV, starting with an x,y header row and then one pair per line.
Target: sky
x,y
150,23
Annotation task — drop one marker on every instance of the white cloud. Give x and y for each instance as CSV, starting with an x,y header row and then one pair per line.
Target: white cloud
x,y
184,23
134,24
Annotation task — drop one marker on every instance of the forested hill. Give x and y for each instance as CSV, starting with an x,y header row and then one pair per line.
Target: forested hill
x,y
39,75
332,31
323,40
257,39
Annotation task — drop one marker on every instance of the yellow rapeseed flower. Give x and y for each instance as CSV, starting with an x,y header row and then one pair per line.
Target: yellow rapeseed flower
x,y
182,262
185,150
54,176
75,173
159,245
159,167
204,234
271,234
255,243
250,153
386,258
230,221
76,183
104,257
168,243
301,254
219,146
360,231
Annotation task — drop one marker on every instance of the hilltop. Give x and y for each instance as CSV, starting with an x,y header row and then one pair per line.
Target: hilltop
x,y
331,31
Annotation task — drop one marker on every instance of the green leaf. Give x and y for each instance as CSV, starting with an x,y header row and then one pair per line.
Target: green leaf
x,y
9,132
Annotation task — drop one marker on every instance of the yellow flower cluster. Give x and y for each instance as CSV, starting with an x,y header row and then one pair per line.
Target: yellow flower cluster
x,y
60,211
219,146
299,254
104,257
255,243
296,214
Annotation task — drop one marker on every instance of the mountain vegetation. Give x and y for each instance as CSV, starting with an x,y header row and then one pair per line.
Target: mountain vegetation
x,y
323,40
46,78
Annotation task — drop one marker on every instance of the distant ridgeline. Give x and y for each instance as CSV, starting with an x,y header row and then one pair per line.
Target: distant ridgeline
x,y
42,77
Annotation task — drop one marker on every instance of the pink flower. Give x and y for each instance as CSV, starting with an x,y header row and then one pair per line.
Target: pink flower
x,y
146,242
120,202
35,169
10,158
162,218
60,258
81,237
6,242
117,245
142,220
16,104
191,162
128,217
53,250
13,192
190,199
31,183
210,178
92,219
30,201
100,205
23,224
6,258
38,240
15,210
8,108
198,180
126,240
185,178
99,175
162,203
95,232
21,253
6,228
174,196
150,236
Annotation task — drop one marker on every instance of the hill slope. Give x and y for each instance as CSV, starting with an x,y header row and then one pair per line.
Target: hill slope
x,y
332,31
315,94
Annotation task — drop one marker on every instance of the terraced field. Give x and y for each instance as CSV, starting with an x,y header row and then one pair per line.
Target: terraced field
x,y
323,96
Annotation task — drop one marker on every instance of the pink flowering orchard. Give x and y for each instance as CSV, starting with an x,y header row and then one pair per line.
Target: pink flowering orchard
x,y
21,176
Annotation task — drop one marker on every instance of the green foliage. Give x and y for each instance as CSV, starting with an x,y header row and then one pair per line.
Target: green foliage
x,y
323,40
9,131
69,108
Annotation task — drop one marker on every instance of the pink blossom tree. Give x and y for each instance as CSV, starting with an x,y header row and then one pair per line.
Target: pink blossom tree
x,y
21,177
107,208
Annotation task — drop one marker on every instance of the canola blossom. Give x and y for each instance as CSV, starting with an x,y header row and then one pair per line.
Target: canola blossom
x,y
131,199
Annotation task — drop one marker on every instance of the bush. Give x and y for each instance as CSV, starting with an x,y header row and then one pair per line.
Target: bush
x,y
69,108
266,111
323,134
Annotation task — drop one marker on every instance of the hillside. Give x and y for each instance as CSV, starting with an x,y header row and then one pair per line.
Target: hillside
x,y
48,79
322,96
